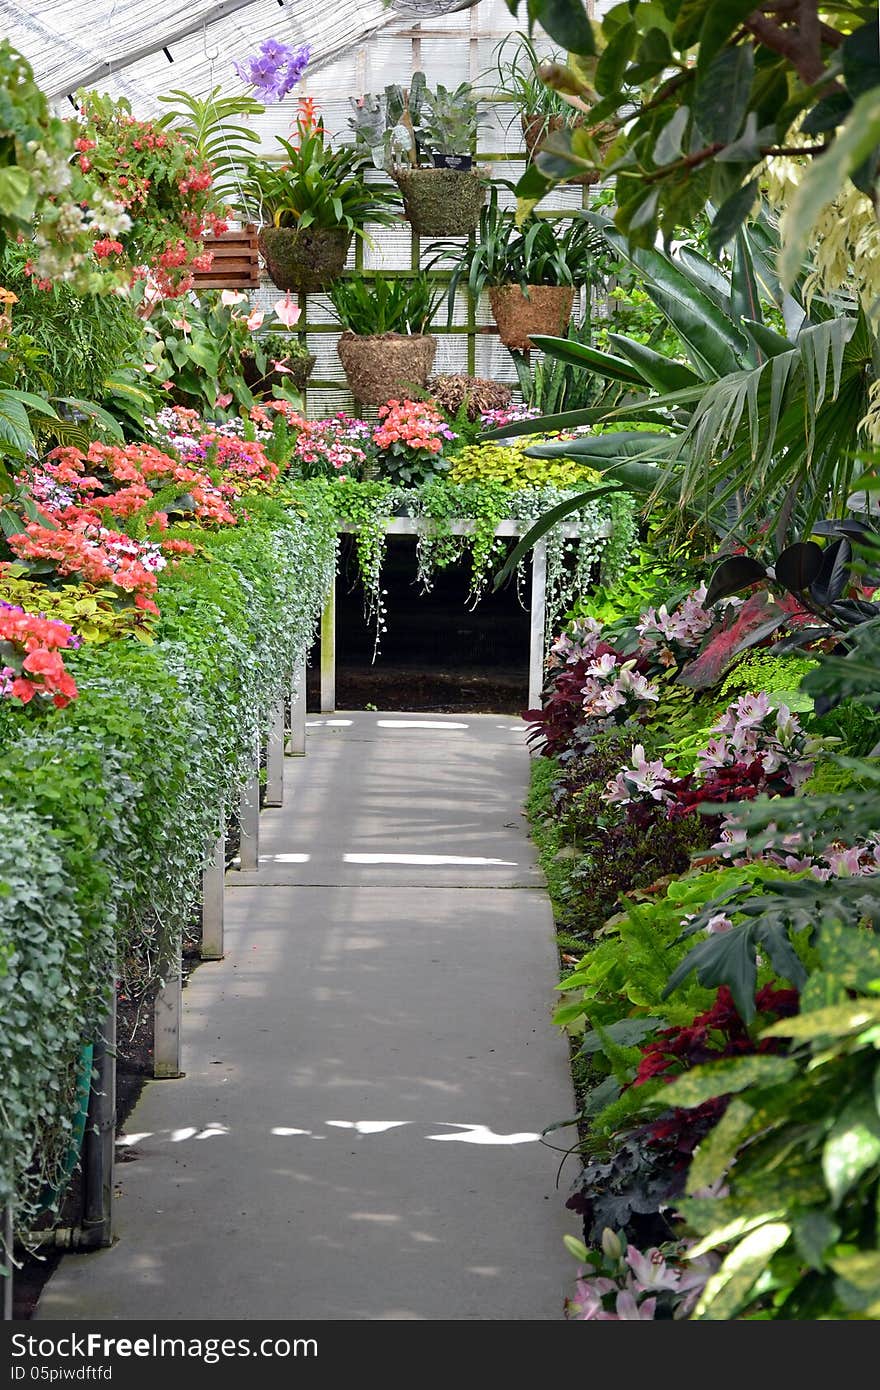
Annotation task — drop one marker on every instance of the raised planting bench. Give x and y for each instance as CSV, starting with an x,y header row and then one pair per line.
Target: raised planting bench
x,y
411,526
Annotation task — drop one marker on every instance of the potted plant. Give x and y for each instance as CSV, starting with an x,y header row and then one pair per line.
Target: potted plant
x,y
313,205
384,347
410,127
531,272
542,110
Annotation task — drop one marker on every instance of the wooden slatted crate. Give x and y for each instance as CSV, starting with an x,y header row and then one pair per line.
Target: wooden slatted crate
x,y
236,264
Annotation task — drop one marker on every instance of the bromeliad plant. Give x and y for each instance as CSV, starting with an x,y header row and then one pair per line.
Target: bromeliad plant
x,y
385,304
384,348
313,205
531,271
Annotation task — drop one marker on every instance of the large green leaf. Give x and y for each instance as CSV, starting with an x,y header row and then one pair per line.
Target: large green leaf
x,y
852,1147
722,19
581,355
96,413
714,342
745,299
15,429
566,23
622,444
729,1288
725,1076
717,1151
661,372
722,92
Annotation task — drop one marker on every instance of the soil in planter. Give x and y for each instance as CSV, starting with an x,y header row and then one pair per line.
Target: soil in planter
x,y
442,202
304,261
547,310
385,366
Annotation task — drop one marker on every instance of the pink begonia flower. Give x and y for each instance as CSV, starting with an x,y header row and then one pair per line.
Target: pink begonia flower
x,y
651,1270
254,319
229,297
224,399
286,310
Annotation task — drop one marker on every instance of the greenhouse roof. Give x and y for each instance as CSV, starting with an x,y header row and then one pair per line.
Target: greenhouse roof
x,y
139,48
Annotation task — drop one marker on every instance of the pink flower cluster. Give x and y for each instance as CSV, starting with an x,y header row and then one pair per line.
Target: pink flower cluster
x,y
841,861
337,446
750,728
614,688
411,427
33,666
578,644
508,415
624,1287
671,636
751,733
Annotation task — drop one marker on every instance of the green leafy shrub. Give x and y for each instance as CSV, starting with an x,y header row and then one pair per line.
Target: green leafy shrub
x,y
76,341
384,304
508,464
116,800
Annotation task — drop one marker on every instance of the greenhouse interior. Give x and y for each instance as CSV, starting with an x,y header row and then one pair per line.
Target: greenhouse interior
x,y
439,665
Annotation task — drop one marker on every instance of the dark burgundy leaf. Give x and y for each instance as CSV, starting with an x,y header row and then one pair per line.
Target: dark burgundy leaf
x,y
732,575
833,576
799,566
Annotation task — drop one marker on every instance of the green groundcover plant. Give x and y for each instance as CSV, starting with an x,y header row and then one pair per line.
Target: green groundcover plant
x,y
109,805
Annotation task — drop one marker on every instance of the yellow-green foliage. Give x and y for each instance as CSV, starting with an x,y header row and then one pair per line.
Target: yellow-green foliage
x,y
779,676
93,616
507,464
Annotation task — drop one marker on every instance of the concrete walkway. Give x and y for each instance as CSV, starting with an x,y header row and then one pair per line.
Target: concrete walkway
x,y
367,1071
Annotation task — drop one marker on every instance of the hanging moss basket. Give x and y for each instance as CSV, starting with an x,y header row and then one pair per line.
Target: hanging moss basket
x,y
547,310
299,369
442,202
386,366
304,260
